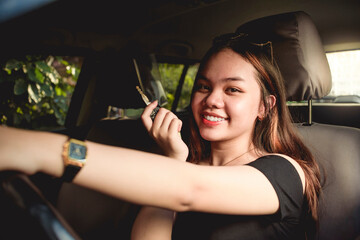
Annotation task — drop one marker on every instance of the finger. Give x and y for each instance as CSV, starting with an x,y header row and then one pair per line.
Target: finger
x,y
175,126
149,108
167,120
145,116
158,121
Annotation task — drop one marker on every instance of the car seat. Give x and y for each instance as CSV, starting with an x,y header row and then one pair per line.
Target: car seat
x,y
302,61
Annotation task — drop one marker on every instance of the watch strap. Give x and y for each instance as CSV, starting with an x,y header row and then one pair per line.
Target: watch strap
x,y
70,172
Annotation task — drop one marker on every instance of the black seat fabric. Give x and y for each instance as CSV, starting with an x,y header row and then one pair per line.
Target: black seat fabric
x,y
303,64
337,151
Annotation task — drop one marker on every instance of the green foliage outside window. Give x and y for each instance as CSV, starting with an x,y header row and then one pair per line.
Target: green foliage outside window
x,y
187,87
35,91
170,76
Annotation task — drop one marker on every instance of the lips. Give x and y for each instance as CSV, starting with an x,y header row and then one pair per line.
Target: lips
x,y
211,119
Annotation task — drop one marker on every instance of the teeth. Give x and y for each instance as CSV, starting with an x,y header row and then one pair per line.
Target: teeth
x,y
214,119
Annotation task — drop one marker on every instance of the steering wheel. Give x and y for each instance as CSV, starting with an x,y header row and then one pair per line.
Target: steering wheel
x,y
25,212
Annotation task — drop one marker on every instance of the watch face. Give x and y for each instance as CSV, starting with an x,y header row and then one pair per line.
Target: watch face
x,y
77,151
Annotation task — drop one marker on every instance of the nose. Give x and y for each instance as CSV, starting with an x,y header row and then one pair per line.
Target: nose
x,y
215,99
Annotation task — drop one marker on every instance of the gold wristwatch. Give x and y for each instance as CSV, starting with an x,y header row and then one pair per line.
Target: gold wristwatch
x,y
74,156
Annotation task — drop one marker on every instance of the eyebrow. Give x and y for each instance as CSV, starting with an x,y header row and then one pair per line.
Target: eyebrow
x,y
223,80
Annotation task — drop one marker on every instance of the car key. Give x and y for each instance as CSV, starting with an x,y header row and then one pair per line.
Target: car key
x,y
147,102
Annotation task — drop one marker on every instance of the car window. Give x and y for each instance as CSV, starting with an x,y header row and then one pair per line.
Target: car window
x,y
171,77
177,90
35,91
345,72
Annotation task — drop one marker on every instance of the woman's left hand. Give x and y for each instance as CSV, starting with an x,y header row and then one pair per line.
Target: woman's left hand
x,y
165,130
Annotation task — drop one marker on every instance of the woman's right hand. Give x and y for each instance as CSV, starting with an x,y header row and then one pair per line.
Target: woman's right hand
x,y
165,130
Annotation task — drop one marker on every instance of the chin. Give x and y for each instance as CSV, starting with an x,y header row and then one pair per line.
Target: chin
x,y
211,137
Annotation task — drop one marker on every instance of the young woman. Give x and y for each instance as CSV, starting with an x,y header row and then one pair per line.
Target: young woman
x,y
248,176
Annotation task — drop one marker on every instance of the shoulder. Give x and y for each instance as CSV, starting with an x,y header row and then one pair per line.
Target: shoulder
x,y
293,162
297,167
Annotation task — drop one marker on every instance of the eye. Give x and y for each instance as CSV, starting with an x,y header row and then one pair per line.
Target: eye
x,y
202,88
234,90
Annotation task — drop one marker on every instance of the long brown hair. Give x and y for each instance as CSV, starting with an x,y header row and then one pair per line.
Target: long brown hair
x,y
274,133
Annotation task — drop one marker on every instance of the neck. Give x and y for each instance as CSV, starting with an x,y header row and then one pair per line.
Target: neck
x,y
239,153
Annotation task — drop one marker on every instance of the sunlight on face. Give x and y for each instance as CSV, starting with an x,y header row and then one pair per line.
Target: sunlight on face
x,y
227,98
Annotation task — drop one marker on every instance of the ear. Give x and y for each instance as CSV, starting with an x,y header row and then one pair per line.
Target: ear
x,y
271,101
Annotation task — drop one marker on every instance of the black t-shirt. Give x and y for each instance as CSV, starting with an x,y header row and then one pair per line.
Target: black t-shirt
x,y
286,223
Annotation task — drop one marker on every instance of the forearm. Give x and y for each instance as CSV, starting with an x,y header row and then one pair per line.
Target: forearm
x,y
31,151
135,176
139,177
153,224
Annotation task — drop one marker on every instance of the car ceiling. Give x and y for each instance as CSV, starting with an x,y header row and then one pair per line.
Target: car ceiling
x,y
180,28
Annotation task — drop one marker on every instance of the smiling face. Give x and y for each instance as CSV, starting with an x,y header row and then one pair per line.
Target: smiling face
x,y
227,98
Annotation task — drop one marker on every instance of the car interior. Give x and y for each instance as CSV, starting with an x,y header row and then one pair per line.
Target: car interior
x,y
119,42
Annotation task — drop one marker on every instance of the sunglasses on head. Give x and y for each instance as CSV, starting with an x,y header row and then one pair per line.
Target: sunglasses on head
x,y
245,38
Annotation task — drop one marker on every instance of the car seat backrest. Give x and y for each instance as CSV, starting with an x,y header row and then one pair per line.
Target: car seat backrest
x,y
302,61
337,150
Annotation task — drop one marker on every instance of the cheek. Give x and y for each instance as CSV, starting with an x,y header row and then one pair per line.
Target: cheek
x,y
244,110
